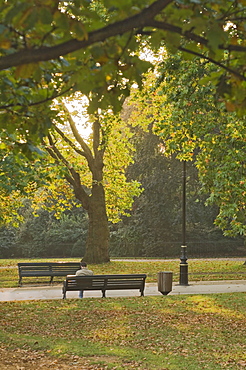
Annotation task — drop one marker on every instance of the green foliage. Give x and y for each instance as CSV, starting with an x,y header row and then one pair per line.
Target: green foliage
x,y
43,235
120,190
67,236
7,242
154,228
193,123
48,49
22,176
16,172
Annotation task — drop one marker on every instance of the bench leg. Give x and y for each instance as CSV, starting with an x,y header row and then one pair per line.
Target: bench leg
x,y
64,292
103,293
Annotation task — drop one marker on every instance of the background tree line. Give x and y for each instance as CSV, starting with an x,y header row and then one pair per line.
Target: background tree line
x,y
153,228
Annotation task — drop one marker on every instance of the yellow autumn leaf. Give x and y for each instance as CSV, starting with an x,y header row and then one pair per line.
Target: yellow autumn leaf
x,y
108,78
25,70
5,44
230,106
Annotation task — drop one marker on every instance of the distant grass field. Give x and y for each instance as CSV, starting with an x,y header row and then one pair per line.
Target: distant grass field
x,y
193,332
199,269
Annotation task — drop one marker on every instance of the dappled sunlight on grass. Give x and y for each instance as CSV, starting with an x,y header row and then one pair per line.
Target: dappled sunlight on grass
x,y
115,332
151,333
210,305
71,307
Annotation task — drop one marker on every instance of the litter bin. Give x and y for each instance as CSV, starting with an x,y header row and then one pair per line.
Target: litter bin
x,y
165,282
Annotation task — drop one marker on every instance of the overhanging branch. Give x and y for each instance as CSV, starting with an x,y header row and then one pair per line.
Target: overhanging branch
x,y
242,77
192,36
144,19
48,53
37,102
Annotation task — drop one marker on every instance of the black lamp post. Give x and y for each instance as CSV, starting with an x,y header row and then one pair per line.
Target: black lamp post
x,y
183,276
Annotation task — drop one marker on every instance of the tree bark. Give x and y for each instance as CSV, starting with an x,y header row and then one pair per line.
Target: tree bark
x,y
97,246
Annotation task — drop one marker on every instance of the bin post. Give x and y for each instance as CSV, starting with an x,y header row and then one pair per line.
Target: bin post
x,y
165,282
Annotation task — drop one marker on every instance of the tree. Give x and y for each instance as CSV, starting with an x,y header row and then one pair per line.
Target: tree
x,y
193,123
154,228
89,166
51,47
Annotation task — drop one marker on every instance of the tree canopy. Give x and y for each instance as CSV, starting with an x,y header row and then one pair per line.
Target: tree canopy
x,y
189,116
49,48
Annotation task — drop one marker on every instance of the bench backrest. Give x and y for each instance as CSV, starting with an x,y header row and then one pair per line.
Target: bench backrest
x,y
105,281
85,282
63,268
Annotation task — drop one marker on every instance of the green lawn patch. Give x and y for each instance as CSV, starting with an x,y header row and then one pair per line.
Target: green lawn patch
x,y
175,332
198,270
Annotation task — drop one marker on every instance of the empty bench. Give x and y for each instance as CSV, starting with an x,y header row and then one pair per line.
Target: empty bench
x,y
49,269
104,283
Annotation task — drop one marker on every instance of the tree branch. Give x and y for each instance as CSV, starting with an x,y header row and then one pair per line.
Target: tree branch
x,y
74,179
68,141
38,102
98,153
232,71
56,154
86,150
53,154
192,36
139,20
96,134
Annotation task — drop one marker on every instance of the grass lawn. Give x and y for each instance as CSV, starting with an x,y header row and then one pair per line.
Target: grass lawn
x,y
148,333
167,333
199,270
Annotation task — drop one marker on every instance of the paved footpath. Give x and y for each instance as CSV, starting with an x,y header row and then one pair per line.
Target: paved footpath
x,y
151,289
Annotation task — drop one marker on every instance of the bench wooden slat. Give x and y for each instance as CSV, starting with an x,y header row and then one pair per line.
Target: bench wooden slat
x,y
33,269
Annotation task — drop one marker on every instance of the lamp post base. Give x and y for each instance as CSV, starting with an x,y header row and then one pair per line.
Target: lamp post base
x,y
183,271
183,275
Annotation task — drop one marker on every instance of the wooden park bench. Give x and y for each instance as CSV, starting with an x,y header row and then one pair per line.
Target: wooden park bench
x,y
50,269
104,283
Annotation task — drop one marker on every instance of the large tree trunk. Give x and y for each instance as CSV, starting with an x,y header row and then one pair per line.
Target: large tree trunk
x,y
97,246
